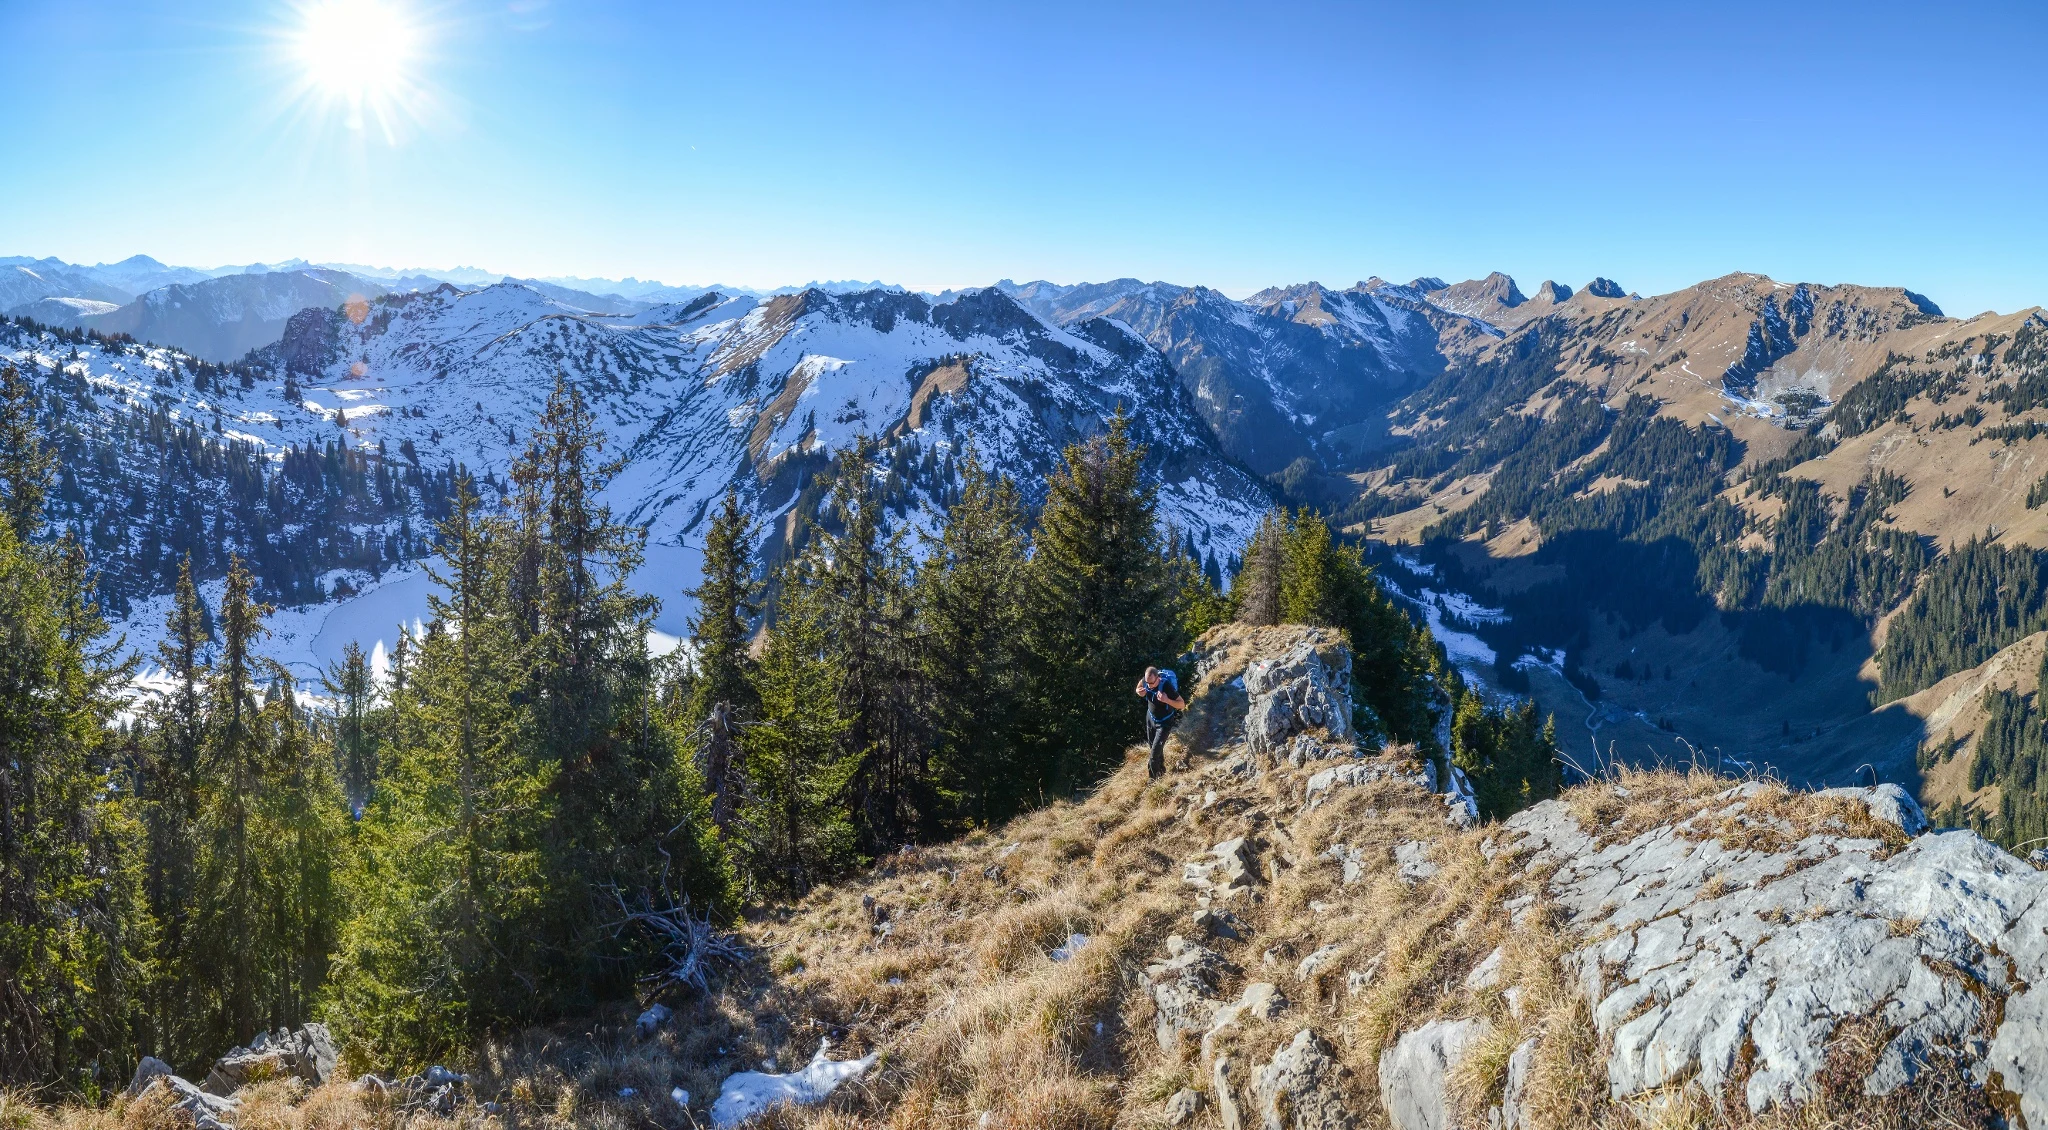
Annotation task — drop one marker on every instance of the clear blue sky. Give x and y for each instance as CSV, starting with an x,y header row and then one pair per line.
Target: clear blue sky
x,y
1236,145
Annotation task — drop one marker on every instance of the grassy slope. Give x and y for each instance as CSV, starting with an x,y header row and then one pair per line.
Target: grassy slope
x,y
980,1027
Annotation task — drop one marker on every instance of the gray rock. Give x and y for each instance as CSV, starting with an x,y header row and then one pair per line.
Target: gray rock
x,y
1514,1108
1184,990
1486,974
1415,1073
1261,1000
205,1109
1300,690
1183,1106
1218,923
1227,1110
1888,803
1229,866
307,1053
1412,860
651,1020
1314,962
146,1073
1302,1088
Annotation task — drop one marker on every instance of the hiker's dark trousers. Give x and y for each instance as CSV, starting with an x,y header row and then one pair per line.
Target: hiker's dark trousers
x,y
1155,736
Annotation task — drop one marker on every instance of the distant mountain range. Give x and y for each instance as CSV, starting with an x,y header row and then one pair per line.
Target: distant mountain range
x,y
1728,514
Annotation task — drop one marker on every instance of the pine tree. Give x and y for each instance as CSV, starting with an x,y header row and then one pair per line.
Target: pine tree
x,y
355,744
796,830
862,573
721,692
73,924
169,790
970,600
231,929
1101,608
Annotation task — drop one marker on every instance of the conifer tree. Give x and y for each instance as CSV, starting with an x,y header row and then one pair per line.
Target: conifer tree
x,y
627,810
73,924
234,765
434,950
355,744
169,790
1256,592
970,600
796,830
1102,608
727,601
862,573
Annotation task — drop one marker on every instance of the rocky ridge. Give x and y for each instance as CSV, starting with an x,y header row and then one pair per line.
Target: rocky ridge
x,y
1333,945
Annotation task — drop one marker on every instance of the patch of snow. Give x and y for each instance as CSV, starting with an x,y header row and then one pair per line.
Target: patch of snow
x,y
748,1093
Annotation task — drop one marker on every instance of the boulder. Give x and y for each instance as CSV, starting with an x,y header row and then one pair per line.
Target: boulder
x,y
1184,989
307,1053
1415,1073
1183,1106
650,1021
1305,688
1302,1088
1889,804
146,1073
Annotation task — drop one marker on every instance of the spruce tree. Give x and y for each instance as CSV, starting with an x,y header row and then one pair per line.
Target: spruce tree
x,y
628,810
73,924
438,947
970,600
232,926
168,787
727,601
721,692
1102,607
796,830
862,573
355,746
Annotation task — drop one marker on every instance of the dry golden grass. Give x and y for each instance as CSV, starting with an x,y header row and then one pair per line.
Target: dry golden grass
x,y
979,1027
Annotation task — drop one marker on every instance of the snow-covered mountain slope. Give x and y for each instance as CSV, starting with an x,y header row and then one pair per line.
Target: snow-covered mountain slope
x,y
735,391
23,281
721,392
1292,373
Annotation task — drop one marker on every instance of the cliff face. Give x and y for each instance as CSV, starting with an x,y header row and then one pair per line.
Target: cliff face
x,y
1289,933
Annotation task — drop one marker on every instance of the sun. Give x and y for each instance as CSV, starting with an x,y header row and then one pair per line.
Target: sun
x,y
358,53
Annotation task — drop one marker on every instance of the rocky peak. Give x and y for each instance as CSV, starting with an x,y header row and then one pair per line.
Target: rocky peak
x,y
1605,288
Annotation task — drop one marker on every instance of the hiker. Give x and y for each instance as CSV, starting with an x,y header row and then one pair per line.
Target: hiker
x,y
1163,704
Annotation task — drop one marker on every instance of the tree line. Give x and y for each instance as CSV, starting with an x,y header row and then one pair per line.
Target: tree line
x,y
453,845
